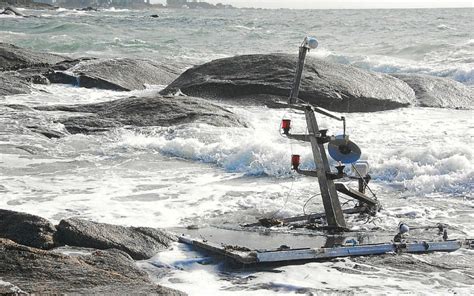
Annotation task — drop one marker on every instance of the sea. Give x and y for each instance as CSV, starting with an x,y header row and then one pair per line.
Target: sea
x,y
421,159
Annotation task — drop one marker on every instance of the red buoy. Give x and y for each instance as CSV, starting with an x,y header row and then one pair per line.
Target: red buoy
x,y
295,161
286,125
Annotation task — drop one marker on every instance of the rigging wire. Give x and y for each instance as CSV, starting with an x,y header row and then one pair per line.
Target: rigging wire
x,y
306,203
363,180
286,200
293,179
290,114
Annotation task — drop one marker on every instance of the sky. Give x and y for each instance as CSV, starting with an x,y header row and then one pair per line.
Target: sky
x,y
341,4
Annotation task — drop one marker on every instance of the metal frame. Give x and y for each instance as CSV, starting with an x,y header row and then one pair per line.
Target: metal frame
x,y
284,256
332,206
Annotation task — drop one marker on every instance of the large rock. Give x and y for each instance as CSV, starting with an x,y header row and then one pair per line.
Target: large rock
x,y
11,84
27,229
439,92
138,242
144,111
25,4
9,10
13,58
123,74
7,288
110,272
333,86
19,68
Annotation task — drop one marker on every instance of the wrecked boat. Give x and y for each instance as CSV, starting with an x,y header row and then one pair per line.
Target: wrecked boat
x,y
320,236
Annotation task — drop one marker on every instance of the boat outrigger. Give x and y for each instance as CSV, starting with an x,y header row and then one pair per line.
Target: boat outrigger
x,y
329,236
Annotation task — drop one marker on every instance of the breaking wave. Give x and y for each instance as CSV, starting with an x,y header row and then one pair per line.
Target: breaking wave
x,y
261,151
431,169
461,71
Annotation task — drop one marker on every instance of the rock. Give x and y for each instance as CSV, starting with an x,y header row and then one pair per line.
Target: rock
x,y
13,58
110,272
11,11
88,8
144,111
31,75
439,92
333,86
27,229
51,134
429,263
61,77
69,63
25,4
123,74
7,288
12,85
139,243
88,125
58,73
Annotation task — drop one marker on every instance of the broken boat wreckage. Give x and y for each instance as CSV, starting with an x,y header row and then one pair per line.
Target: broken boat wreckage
x,y
327,234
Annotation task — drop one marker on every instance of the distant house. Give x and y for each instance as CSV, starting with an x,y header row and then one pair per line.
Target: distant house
x,y
194,4
176,3
95,3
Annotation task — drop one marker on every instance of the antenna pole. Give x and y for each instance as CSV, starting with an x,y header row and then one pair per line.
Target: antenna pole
x,y
299,73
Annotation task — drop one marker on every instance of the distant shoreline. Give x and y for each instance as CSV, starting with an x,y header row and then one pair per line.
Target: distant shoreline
x,y
29,4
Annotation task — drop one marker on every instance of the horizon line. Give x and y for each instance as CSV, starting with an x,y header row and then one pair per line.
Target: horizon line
x,y
352,8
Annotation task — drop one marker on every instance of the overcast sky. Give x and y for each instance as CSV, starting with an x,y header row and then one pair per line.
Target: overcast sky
x,y
343,3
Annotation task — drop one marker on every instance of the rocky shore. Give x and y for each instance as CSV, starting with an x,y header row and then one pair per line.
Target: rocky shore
x,y
83,257
262,79
76,257
247,79
197,93
21,69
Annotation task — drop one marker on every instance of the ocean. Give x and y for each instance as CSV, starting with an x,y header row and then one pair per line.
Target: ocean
x,y
197,174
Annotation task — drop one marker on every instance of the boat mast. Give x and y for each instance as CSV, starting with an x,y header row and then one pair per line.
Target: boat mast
x,y
318,138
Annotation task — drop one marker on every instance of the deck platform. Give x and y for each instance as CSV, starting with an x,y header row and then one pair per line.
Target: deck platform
x,y
254,247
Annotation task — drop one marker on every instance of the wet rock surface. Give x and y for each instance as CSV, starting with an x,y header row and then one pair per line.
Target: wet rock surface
x,y
439,92
102,264
25,4
13,58
11,84
9,10
109,272
333,86
123,74
7,288
26,229
139,242
20,68
144,111
429,263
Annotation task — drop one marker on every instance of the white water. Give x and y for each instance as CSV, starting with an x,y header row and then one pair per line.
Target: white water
x,y
421,159
421,162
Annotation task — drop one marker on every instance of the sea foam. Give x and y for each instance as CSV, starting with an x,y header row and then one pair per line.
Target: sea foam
x,y
261,151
